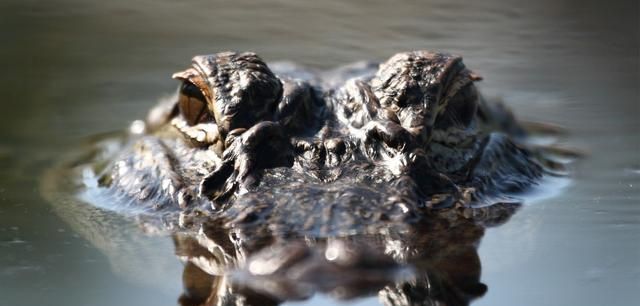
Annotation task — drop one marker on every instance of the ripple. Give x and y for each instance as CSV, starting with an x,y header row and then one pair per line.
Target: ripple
x,y
635,169
549,187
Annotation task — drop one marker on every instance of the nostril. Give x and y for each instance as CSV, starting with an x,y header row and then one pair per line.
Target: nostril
x,y
336,146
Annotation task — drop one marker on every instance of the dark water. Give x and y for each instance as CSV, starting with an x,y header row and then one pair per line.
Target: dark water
x,y
75,68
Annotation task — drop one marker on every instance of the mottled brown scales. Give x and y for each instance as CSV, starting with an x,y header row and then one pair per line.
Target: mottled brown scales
x,y
417,86
239,88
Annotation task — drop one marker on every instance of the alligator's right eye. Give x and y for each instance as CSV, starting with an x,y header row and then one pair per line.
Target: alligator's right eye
x,y
192,104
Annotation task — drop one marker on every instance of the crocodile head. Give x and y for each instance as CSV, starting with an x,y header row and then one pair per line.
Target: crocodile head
x,y
299,180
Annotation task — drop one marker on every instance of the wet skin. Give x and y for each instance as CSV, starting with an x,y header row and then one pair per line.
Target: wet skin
x,y
352,162
235,125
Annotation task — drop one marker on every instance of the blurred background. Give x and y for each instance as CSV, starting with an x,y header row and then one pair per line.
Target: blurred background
x,y
74,68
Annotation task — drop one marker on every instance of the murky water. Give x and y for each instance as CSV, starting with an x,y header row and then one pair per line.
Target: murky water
x,y
75,68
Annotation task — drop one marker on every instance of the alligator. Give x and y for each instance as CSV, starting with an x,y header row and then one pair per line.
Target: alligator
x,y
277,182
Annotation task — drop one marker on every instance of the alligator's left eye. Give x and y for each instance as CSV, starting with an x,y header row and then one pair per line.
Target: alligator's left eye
x,y
192,104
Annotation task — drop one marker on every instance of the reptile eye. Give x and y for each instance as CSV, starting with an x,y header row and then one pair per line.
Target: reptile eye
x,y
192,104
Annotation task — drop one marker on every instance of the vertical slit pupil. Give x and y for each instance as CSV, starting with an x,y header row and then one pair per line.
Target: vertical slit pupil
x,y
192,104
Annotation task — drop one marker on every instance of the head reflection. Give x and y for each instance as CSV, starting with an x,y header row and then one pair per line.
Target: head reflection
x,y
433,262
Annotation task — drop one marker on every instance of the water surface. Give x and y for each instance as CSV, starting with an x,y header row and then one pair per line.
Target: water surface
x,y
75,68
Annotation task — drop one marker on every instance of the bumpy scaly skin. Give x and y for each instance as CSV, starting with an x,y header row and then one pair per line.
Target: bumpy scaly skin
x,y
237,127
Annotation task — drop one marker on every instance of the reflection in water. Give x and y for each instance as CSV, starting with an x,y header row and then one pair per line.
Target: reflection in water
x,y
434,262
